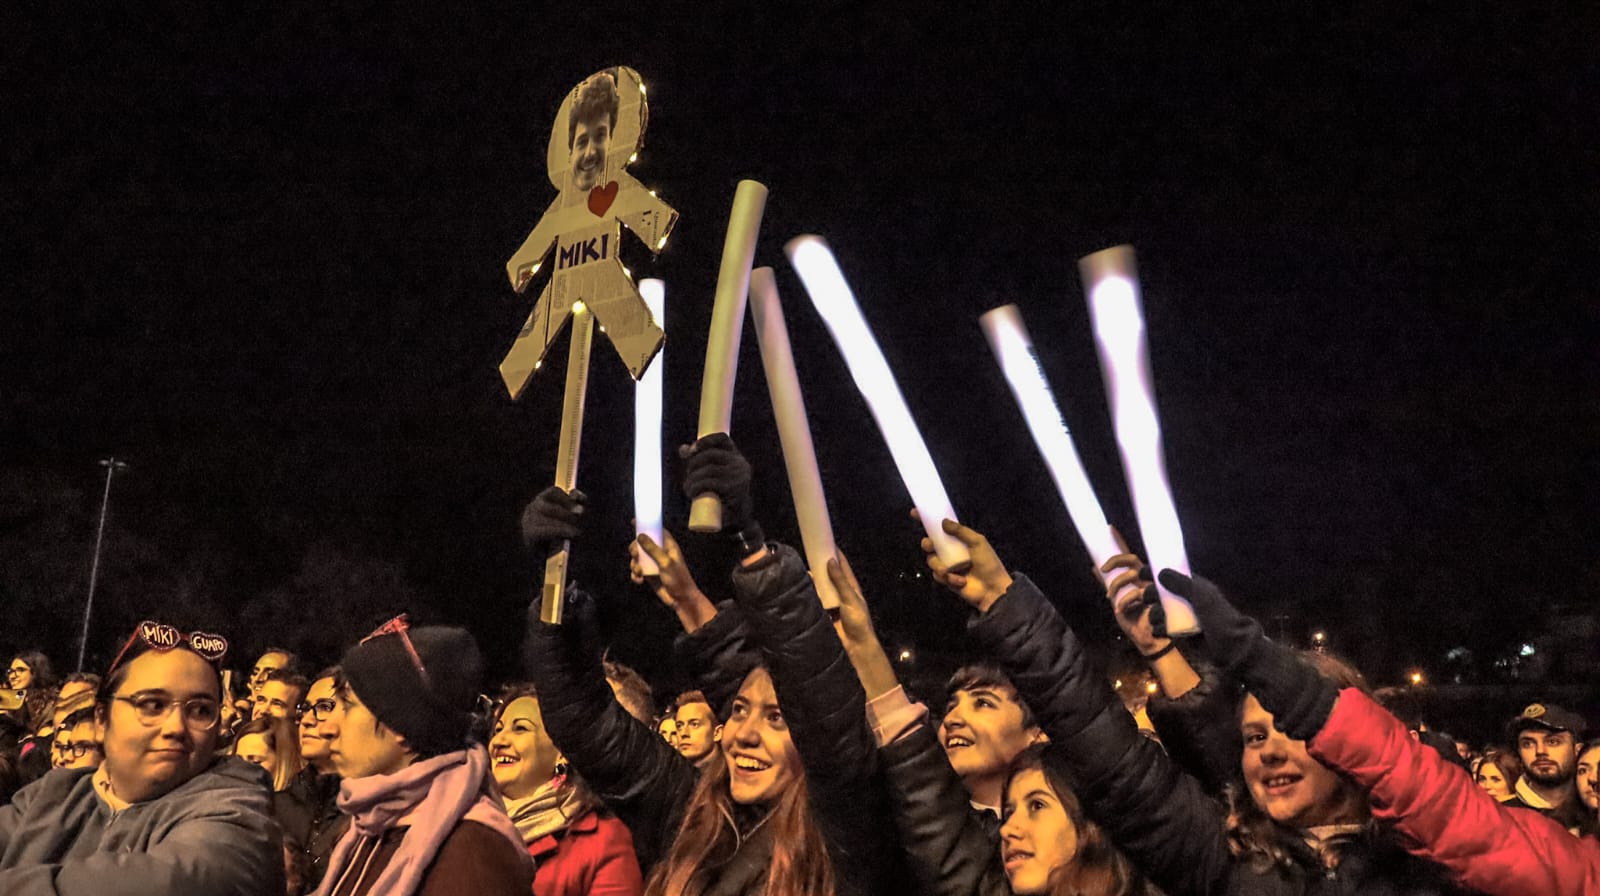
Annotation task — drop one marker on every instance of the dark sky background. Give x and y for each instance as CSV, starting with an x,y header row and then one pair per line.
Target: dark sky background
x,y
260,256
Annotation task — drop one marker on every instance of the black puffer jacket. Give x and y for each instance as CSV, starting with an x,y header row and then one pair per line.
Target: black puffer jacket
x,y
1200,729
1157,814
648,784
949,850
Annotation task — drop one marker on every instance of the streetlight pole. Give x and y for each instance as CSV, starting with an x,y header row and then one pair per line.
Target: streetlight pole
x,y
113,467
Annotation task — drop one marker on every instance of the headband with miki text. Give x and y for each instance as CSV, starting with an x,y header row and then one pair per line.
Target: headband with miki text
x,y
161,637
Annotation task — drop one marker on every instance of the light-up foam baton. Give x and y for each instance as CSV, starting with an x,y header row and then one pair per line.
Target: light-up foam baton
x,y
727,322
1111,281
831,295
1008,337
794,433
647,436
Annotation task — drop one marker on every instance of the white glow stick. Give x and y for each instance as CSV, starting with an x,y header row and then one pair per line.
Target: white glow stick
x,y
1111,281
727,322
794,433
1008,337
647,436
831,295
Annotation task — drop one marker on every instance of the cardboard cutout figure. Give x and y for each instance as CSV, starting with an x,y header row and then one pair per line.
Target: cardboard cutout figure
x,y
598,131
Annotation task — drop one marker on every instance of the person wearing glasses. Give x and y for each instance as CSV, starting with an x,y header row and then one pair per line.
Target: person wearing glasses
x,y
163,813
77,743
315,790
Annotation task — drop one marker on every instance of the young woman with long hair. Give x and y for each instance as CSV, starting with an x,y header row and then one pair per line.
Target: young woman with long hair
x,y
786,810
1321,839
1046,845
271,743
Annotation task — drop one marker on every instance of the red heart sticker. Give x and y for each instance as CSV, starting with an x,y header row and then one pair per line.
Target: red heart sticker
x,y
600,198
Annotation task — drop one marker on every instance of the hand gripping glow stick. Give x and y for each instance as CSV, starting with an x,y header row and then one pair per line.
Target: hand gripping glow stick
x,y
1111,280
831,295
1008,337
555,567
722,344
647,435
799,455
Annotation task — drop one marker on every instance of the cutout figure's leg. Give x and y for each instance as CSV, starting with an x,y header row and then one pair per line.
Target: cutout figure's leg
x,y
625,318
544,324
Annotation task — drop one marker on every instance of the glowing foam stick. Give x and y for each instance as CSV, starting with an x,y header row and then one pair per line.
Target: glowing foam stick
x,y
794,433
647,435
1111,281
1008,337
727,322
831,295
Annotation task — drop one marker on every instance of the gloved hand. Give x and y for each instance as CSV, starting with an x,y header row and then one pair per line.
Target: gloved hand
x,y
713,464
1298,697
1135,606
550,518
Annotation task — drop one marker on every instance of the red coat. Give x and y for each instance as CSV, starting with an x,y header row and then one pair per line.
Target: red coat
x,y
593,855
1443,816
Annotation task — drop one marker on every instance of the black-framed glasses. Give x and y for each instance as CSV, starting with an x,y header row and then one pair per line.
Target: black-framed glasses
x,y
319,711
79,750
199,713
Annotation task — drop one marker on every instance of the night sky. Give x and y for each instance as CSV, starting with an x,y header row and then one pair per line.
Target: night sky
x,y
260,256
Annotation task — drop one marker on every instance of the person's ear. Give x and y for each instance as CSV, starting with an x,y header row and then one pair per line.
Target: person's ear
x,y
716,734
1038,737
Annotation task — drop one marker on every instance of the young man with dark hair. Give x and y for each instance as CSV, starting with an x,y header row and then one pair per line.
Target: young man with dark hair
x,y
270,659
312,818
279,694
162,813
1548,740
986,725
589,128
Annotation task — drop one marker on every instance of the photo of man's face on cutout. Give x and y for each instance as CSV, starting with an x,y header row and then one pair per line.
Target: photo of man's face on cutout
x,y
589,129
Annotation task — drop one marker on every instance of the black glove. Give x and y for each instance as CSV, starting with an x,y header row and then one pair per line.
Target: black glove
x,y
713,464
551,518
1298,697
1149,597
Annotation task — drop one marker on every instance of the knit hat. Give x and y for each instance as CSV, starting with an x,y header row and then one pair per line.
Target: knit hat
x,y
1549,717
421,682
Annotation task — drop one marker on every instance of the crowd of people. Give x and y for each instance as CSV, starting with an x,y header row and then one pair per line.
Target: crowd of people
x,y
798,763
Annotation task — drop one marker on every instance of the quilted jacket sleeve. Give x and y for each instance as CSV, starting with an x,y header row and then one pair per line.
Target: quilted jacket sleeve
x,y
1155,813
642,779
1442,816
825,710
947,850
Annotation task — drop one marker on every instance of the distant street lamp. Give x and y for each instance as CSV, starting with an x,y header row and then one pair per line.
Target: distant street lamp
x,y
1416,679
1319,641
113,467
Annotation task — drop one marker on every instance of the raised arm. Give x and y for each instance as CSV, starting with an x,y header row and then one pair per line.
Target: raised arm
x,y
1159,816
947,851
1433,803
822,701
629,766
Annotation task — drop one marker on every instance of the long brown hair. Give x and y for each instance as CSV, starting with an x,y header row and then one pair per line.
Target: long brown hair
x,y
709,838
1253,835
1098,868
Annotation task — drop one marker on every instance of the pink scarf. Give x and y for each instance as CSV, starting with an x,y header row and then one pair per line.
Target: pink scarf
x,y
431,796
